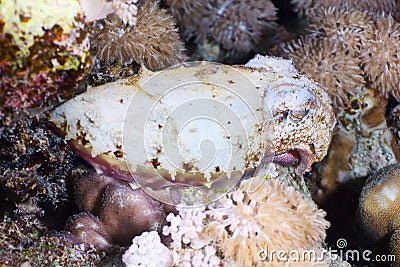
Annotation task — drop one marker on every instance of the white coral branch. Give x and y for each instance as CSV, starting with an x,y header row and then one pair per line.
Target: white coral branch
x,y
147,250
126,10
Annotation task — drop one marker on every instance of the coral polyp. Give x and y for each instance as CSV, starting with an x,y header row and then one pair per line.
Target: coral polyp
x,y
114,41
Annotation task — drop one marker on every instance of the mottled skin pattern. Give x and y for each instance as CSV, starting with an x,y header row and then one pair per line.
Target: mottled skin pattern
x,y
302,123
298,119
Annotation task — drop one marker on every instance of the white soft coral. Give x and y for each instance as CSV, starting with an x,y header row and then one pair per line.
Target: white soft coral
x,y
147,250
126,10
187,228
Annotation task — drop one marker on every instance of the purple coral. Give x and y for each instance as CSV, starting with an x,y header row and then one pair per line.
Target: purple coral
x,y
122,212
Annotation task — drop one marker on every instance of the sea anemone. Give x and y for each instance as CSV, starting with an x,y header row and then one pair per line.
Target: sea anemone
x,y
259,214
331,64
381,56
236,25
152,42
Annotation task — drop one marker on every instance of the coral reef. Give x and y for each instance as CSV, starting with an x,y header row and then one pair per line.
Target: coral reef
x,y
113,41
258,214
24,243
43,58
363,145
343,51
350,47
35,165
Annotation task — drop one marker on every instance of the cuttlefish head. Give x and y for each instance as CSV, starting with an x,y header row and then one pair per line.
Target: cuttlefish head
x,y
300,123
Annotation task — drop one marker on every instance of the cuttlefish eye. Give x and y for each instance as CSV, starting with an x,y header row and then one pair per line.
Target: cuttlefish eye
x,y
293,101
297,115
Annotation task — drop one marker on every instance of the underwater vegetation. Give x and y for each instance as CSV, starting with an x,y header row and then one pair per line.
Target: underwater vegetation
x,y
322,125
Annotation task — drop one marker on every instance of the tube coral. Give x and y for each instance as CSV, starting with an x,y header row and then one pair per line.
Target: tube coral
x,y
153,41
235,25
